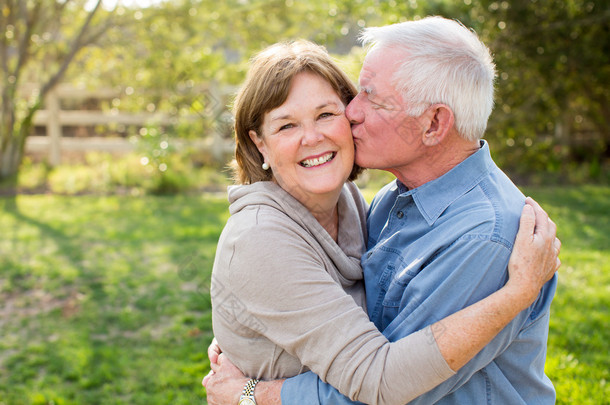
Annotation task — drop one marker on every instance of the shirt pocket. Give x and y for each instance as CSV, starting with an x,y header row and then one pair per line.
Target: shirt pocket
x,y
382,287
397,286
383,262
396,292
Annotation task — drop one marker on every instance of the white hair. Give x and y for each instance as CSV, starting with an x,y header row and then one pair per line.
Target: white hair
x,y
445,63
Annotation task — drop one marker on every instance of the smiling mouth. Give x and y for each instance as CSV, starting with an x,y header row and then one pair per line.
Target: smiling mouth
x,y
319,160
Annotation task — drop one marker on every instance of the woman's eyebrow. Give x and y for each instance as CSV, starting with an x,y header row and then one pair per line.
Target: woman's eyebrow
x,y
281,117
327,104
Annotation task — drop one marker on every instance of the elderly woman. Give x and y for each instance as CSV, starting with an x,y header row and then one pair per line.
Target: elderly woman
x,y
287,290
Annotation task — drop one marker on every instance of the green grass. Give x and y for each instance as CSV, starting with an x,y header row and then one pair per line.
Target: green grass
x,y
104,300
578,359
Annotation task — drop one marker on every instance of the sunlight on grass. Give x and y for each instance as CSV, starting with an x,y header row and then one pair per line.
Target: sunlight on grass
x,y
577,360
106,298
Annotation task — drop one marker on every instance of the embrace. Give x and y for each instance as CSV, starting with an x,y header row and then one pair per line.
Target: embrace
x,y
438,292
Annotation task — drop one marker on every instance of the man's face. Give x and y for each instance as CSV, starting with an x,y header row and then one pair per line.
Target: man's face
x,y
385,137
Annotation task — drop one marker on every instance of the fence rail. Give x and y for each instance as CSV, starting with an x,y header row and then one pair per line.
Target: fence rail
x,y
53,118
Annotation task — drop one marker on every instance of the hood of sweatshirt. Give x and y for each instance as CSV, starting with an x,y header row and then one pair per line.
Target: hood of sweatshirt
x,y
345,253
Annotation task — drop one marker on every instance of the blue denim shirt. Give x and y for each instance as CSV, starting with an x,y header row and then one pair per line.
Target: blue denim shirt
x,y
437,249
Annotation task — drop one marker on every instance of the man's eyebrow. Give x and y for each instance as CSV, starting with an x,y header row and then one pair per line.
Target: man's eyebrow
x,y
366,89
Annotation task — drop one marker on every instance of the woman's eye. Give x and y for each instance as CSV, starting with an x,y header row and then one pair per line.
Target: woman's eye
x,y
286,126
326,114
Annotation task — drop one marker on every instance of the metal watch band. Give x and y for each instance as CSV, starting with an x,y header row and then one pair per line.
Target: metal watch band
x,y
249,388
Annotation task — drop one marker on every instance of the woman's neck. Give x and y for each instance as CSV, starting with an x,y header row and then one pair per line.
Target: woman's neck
x,y
323,207
329,219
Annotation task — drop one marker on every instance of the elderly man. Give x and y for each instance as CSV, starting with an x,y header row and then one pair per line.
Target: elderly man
x,y
440,236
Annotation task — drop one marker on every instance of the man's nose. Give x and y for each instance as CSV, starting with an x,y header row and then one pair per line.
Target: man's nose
x,y
353,111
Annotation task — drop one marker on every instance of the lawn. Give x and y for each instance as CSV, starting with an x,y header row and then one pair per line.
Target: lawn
x,y
104,300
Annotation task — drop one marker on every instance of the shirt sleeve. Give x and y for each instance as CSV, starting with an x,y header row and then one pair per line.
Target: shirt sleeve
x,y
464,273
308,389
299,307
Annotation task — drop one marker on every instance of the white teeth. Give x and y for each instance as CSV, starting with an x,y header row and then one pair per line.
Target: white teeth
x,y
317,161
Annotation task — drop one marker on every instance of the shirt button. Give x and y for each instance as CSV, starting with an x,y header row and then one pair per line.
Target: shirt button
x,y
400,214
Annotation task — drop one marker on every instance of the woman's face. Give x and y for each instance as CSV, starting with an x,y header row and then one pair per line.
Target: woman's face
x,y
307,141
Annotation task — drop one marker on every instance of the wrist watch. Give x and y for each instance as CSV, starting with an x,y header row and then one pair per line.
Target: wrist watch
x,y
247,395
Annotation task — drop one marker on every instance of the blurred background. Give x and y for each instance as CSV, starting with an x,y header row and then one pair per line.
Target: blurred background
x,y
115,134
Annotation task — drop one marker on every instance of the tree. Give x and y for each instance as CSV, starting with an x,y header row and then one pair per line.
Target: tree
x,y
553,108
41,39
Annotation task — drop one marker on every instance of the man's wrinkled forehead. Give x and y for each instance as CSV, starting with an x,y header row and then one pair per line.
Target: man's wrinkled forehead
x,y
370,62
367,78
379,67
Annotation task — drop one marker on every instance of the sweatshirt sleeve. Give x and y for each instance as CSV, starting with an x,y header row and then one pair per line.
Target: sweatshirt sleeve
x,y
294,302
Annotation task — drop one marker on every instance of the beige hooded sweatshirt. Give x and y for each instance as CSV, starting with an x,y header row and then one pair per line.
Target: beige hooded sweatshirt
x,y
287,298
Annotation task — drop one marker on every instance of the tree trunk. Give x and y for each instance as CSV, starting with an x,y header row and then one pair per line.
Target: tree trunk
x,y
10,157
9,163
12,142
10,160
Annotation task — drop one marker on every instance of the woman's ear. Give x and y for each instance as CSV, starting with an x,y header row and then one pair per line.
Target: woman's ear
x,y
439,120
258,141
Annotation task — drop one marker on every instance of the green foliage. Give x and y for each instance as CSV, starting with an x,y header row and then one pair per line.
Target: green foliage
x,y
105,299
552,113
371,181
140,173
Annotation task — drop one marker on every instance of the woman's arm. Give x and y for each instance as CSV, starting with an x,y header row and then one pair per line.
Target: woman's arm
x,y
462,335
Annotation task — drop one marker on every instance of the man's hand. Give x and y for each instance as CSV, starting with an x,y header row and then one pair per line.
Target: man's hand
x,y
536,251
225,383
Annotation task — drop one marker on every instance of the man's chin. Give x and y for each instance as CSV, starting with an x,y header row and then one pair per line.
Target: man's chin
x,y
362,160
361,164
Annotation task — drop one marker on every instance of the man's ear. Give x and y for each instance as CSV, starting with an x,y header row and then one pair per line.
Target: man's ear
x,y
439,121
258,141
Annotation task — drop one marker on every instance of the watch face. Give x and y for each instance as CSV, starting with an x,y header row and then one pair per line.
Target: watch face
x,y
246,401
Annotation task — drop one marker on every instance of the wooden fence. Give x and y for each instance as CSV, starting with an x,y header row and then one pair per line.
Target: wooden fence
x,y
54,119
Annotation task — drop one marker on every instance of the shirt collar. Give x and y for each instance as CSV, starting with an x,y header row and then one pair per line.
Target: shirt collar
x,y
433,197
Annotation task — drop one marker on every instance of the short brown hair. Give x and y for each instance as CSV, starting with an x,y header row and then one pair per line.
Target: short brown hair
x,y
267,86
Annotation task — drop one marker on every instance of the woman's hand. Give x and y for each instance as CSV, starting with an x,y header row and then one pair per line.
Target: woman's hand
x,y
535,256
225,383
213,353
